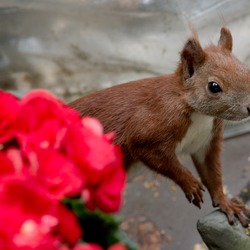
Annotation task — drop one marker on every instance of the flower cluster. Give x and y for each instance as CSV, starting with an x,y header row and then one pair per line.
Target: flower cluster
x,y
49,154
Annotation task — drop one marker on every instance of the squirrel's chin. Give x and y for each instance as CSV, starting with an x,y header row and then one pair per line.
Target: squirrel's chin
x,y
237,120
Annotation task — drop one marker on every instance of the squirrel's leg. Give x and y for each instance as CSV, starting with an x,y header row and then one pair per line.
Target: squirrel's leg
x,y
169,166
208,165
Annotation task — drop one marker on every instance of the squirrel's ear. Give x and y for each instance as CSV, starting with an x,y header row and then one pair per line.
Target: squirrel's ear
x,y
192,56
226,40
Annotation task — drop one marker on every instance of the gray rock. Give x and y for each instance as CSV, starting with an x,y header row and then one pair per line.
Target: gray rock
x,y
218,234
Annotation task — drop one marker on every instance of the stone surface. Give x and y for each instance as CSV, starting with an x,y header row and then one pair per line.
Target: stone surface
x,y
219,235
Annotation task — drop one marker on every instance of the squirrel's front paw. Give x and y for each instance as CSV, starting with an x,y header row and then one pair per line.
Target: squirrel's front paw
x,y
234,207
193,191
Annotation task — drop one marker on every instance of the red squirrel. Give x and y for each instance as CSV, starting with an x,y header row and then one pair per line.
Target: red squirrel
x,y
158,118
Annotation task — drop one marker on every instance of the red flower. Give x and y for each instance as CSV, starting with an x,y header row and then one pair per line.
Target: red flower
x,y
53,154
7,166
117,246
12,162
37,234
36,221
90,246
42,120
88,147
99,161
48,136
106,194
53,170
46,107
9,106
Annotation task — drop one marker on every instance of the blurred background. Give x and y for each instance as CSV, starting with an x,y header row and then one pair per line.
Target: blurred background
x,y
74,47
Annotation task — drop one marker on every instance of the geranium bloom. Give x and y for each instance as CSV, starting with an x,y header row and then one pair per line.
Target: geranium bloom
x,y
105,193
57,173
99,161
7,166
90,246
48,153
9,106
42,120
30,219
117,246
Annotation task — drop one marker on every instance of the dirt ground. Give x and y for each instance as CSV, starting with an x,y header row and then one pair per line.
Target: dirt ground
x,y
156,213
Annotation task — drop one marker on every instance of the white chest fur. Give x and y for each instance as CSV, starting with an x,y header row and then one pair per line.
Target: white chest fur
x,y
197,136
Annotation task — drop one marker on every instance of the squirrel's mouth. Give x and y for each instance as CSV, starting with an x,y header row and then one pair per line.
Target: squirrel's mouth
x,y
236,114
237,119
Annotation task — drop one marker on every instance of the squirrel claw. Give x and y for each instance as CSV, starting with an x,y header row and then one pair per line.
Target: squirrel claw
x,y
243,219
234,208
230,217
193,192
189,197
197,204
194,200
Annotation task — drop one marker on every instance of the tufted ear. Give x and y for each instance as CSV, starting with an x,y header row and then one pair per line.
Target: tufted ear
x,y
226,40
192,57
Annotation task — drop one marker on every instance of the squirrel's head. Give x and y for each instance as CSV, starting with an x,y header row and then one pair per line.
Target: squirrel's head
x,y
216,83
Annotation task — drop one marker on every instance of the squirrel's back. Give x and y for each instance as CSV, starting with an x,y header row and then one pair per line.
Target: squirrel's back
x,y
115,106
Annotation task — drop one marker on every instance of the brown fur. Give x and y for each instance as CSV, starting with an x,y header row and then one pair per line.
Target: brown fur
x,y
151,116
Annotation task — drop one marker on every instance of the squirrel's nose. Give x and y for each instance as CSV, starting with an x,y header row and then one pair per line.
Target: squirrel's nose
x,y
248,109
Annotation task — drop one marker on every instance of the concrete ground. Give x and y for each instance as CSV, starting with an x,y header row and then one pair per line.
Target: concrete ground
x,y
156,213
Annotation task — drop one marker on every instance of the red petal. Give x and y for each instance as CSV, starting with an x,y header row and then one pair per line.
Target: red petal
x,y
117,246
58,174
9,106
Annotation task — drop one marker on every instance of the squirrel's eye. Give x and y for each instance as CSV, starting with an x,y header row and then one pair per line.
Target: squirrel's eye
x,y
214,87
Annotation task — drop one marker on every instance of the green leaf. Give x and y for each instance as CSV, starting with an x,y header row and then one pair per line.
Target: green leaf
x,y
98,227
